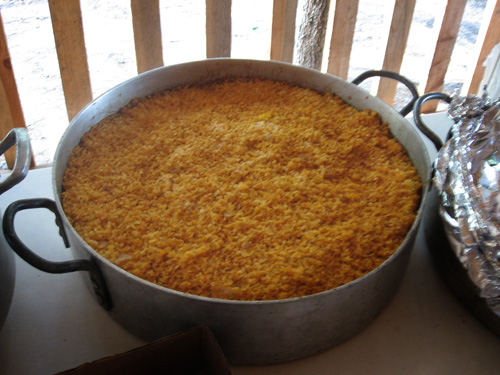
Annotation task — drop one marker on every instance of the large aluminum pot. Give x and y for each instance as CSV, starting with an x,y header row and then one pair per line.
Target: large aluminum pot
x,y
249,332
19,138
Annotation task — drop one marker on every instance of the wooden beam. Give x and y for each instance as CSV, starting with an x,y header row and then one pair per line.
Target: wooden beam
x,y
218,27
283,30
444,49
70,45
344,24
491,39
396,46
10,105
147,34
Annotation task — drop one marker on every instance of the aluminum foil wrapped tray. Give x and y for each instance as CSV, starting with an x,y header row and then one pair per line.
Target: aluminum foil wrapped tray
x,y
467,177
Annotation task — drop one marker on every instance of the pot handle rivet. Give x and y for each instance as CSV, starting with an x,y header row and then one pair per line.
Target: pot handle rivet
x,y
43,264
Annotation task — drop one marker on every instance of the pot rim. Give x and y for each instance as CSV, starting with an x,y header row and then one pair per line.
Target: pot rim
x,y
408,241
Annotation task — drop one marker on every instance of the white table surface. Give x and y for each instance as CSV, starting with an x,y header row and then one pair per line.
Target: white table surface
x,y
55,323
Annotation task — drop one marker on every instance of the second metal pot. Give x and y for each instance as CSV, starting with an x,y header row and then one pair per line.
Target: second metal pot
x,y
19,138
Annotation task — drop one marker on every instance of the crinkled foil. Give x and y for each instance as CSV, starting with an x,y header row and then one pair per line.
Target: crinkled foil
x,y
468,178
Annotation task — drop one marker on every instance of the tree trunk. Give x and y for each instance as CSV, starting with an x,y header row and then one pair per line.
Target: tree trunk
x,y
312,31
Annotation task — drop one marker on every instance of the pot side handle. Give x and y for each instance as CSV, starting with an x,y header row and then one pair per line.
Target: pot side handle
x,y
16,137
417,116
388,74
43,264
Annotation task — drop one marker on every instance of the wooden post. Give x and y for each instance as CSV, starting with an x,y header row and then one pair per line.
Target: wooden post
x,y
218,25
444,49
10,105
396,46
283,30
344,24
491,38
147,34
71,53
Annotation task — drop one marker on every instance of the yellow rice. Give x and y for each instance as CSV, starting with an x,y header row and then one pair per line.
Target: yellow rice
x,y
245,189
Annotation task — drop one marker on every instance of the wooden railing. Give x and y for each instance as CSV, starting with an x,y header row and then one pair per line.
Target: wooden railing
x,y
67,26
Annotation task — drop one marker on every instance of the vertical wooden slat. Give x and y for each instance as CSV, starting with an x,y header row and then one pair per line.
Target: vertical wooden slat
x,y
344,23
218,25
396,46
491,38
444,49
283,30
70,45
6,124
11,113
147,34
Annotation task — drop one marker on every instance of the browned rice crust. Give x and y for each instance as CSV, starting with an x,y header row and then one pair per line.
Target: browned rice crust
x,y
247,189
